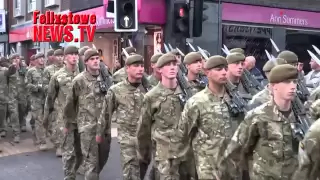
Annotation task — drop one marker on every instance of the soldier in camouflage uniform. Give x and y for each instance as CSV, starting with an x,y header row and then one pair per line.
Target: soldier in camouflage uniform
x,y
264,143
57,90
6,70
50,58
83,106
34,81
81,57
309,156
155,76
193,62
22,96
265,95
206,121
121,75
161,110
31,65
125,100
56,63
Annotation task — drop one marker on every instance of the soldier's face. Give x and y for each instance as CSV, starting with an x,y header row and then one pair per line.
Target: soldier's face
x,y
93,63
72,58
313,64
285,90
195,67
59,59
136,70
16,60
217,75
40,61
236,69
170,70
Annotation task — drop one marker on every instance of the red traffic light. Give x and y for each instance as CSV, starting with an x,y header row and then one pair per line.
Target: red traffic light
x,y
181,12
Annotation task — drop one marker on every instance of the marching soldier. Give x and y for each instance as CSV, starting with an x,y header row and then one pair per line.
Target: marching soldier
x,y
50,58
309,158
121,75
5,72
125,100
193,62
265,143
83,106
154,78
161,110
81,57
58,88
264,95
206,120
34,81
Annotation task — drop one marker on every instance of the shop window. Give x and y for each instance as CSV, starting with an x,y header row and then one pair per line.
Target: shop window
x,y
301,41
254,41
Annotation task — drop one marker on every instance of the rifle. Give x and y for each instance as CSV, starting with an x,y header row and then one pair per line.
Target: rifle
x,y
304,122
236,105
302,90
251,83
184,85
106,76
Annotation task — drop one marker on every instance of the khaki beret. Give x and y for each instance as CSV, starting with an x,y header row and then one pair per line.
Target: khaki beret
x,y
15,55
155,57
272,63
235,57
89,53
215,61
58,52
129,50
192,57
3,59
32,57
136,58
237,50
71,50
289,56
164,59
282,73
39,55
50,52
83,49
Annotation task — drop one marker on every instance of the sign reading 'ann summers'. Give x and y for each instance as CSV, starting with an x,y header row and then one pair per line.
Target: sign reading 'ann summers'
x,y
265,15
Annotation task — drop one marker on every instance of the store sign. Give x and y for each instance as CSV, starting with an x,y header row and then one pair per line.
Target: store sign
x,y
265,15
259,32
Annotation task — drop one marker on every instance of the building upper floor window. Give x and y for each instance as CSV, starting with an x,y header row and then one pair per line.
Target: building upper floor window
x,y
31,5
1,4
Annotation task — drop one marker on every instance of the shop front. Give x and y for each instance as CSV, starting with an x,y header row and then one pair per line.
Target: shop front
x,y
251,27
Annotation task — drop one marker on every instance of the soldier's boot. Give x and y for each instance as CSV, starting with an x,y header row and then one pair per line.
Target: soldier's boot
x,y
59,152
43,147
16,139
3,134
23,129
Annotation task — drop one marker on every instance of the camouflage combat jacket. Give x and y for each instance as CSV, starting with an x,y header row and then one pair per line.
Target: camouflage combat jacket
x,y
48,72
207,123
84,103
124,101
34,81
153,80
59,87
4,89
264,145
160,114
119,75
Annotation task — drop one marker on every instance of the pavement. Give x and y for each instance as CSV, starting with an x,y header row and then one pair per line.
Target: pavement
x,y
24,161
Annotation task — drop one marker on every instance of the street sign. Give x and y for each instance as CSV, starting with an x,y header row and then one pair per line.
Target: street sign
x,y
126,15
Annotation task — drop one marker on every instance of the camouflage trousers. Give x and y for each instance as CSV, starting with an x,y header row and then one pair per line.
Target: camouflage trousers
x,y
23,112
94,155
11,112
3,117
36,119
55,128
71,154
129,159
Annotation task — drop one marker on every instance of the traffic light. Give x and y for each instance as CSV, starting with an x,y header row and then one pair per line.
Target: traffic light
x,y
126,15
198,17
181,19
